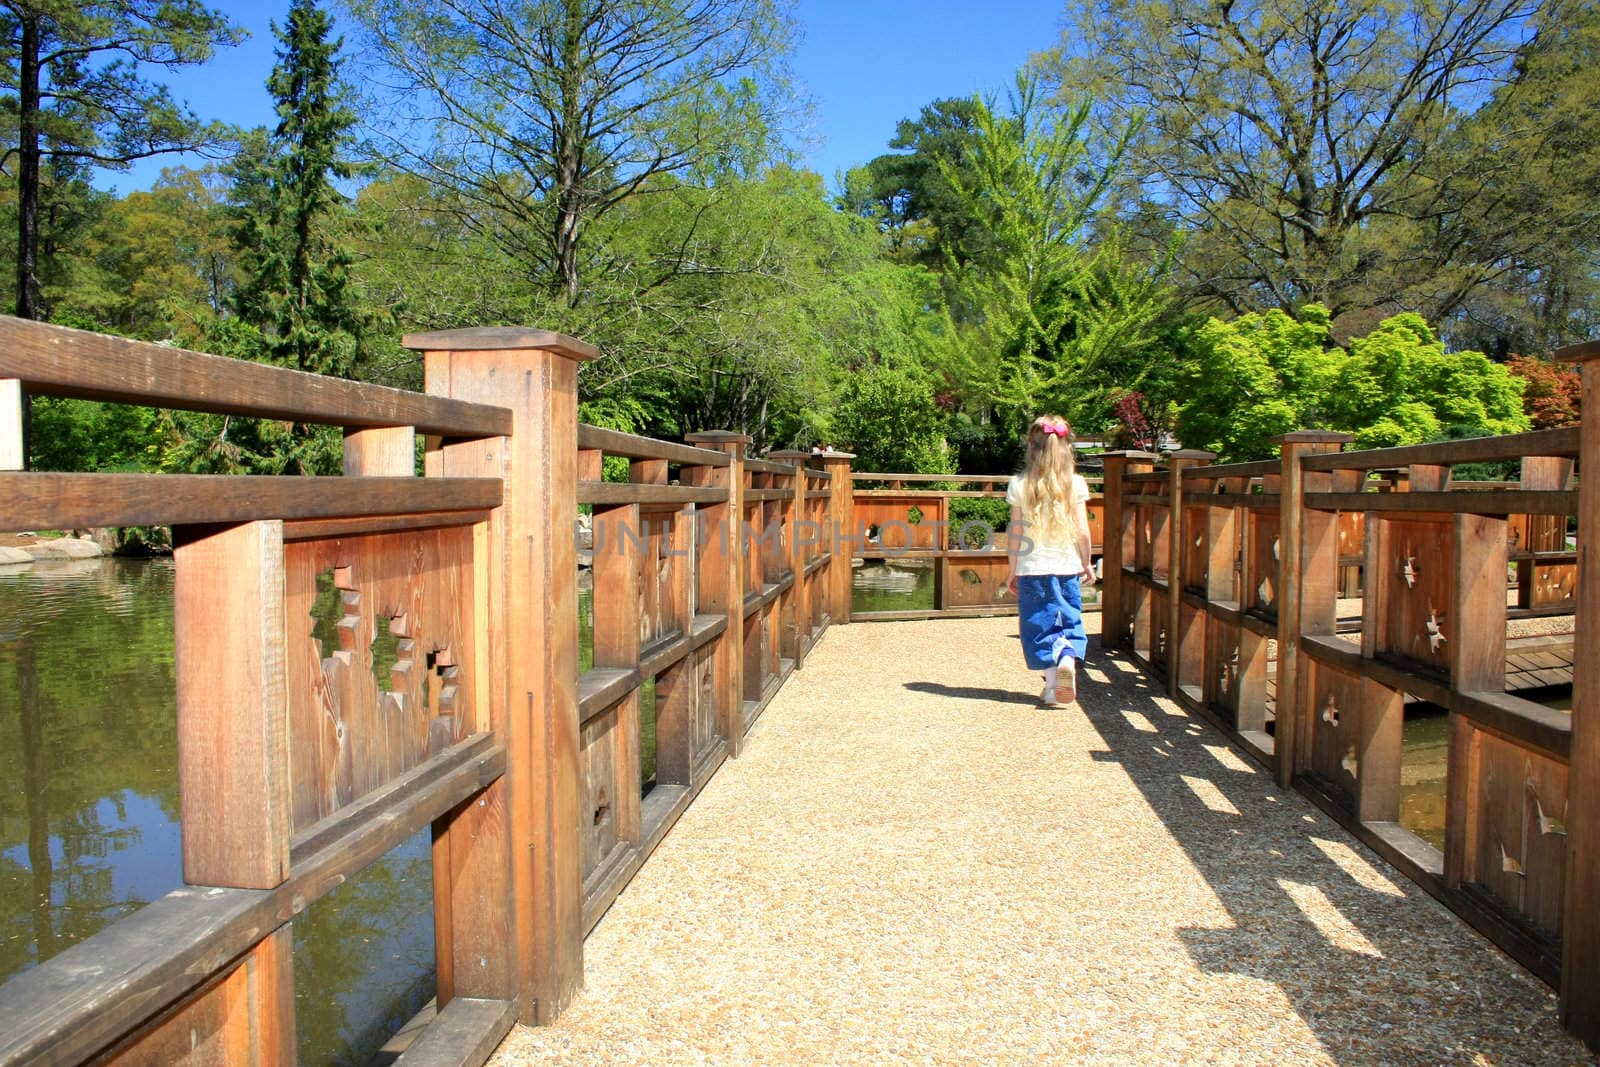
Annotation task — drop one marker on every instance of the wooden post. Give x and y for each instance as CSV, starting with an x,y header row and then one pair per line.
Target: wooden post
x,y
1546,533
796,617
844,536
722,579
12,455
529,819
1580,935
1177,551
1290,741
1113,607
233,749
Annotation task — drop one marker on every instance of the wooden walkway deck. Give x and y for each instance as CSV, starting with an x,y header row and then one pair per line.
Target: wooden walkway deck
x,y
912,862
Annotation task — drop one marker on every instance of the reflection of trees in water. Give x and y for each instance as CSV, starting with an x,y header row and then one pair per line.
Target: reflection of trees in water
x,y
86,661
363,958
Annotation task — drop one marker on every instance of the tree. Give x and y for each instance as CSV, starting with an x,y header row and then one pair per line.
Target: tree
x,y
1289,135
75,91
906,194
548,114
297,287
1268,373
1552,394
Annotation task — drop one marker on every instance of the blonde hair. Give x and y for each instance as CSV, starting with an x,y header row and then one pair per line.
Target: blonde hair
x,y
1046,480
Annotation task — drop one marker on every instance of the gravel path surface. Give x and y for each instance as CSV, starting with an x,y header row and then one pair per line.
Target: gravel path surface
x,y
914,863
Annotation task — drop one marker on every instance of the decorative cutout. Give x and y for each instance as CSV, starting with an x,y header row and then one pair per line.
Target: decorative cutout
x,y
1199,539
391,656
1548,824
1275,549
1350,764
602,808
1435,637
1330,713
970,576
1264,591
1408,569
1511,865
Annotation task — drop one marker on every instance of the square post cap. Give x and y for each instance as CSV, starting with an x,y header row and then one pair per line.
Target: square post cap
x,y
838,457
796,456
1313,437
1133,454
497,338
1191,455
1581,352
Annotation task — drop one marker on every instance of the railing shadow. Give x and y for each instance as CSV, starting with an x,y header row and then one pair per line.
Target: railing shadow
x,y
978,694
1376,978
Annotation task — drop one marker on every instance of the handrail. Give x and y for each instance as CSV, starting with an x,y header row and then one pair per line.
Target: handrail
x,y
1558,442
58,361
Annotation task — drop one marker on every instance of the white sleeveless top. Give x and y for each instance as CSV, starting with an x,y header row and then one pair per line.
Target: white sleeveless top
x,y
1045,558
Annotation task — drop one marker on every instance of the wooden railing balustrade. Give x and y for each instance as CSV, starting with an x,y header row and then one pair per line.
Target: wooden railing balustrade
x,y
1298,603
714,574
904,517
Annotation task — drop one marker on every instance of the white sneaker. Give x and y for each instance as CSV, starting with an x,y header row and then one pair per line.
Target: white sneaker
x,y
1048,697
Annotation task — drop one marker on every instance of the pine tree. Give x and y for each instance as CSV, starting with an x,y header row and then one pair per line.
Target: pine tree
x,y
297,287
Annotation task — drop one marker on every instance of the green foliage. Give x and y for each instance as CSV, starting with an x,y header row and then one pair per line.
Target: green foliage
x,y
75,87
296,286
975,511
887,417
1267,374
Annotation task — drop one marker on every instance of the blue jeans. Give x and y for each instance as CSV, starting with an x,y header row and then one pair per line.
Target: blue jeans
x,y
1050,617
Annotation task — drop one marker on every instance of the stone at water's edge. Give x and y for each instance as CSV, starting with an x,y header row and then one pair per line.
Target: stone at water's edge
x,y
55,548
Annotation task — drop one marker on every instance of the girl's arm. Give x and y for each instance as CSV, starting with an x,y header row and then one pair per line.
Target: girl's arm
x,y
1080,522
1013,547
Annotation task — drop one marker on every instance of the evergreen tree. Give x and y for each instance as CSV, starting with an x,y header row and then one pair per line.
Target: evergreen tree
x,y
297,287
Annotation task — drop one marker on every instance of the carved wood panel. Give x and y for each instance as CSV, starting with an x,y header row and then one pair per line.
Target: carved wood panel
x,y
1415,623
385,680
1520,851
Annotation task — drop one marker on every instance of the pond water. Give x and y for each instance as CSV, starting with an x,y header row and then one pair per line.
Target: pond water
x,y
1424,758
90,806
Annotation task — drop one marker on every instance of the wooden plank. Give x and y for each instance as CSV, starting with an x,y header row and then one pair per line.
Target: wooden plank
x,y
1546,730
607,493
617,443
57,361
76,501
328,529
245,1017
764,466
1267,501
1498,502
1216,472
1558,442
530,570
1580,961
720,577
421,794
600,688
233,731
1478,603
89,996
465,1033
13,451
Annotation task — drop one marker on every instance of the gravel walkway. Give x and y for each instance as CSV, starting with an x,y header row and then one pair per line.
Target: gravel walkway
x,y
913,863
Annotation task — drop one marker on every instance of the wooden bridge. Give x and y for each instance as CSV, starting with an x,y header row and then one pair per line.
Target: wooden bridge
x,y
908,859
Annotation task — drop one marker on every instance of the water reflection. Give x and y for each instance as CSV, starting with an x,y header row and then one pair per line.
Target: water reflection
x,y
88,733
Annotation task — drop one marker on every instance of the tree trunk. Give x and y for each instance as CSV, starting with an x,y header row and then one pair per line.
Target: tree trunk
x,y
569,158
28,171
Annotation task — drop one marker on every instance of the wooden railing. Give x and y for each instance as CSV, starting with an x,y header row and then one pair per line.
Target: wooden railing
x,y
298,768
1235,583
903,517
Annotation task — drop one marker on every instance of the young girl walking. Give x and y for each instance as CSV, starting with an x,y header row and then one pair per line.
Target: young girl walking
x,y
1050,554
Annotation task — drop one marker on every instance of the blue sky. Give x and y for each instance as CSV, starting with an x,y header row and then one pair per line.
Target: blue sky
x,y
865,64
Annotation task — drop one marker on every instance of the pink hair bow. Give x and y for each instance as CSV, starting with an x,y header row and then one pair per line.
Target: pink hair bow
x,y
1055,425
